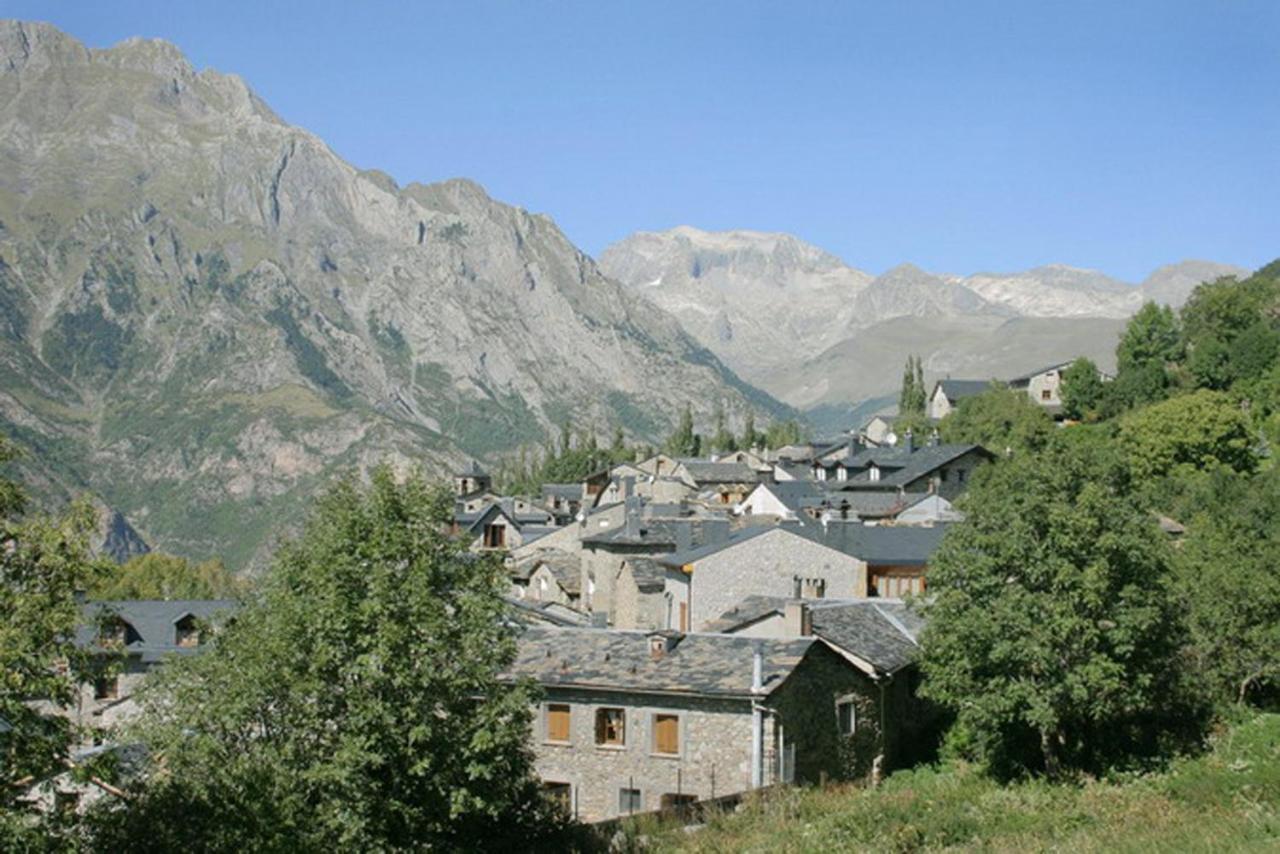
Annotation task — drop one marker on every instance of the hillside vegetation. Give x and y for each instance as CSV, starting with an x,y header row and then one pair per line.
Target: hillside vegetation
x,y
1227,799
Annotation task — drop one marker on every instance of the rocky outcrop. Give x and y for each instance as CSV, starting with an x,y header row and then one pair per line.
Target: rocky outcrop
x,y
205,313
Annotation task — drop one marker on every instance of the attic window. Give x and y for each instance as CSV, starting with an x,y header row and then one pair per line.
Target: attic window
x,y
117,631
495,536
187,632
873,473
842,473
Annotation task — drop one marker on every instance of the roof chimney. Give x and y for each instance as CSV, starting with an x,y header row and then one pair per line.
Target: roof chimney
x,y
757,670
797,619
631,529
662,642
934,438
909,441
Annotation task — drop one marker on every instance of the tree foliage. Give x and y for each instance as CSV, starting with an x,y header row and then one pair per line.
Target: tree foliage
x,y
1206,428
162,576
683,441
353,704
1000,419
1230,587
782,433
1082,390
722,440
914,396
44,561
1052,633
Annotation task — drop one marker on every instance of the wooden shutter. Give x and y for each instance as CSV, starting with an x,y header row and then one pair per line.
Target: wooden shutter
x,y
666,734
684,616
557,722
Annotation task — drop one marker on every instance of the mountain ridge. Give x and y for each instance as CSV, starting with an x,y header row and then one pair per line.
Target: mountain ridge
x,y
207,313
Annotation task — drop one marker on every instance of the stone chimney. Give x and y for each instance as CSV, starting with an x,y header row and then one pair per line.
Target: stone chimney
x,y
631,525
628,486
909,442
797,620
934,438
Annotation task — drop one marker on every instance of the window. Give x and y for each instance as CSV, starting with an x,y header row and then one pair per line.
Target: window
x,y
560,794
611,727
842,473
558,717
1046,394
811,588
960,475
630,801
822,473
673,801
116,631
846,716
873,474
187,632
106,688
666,734
495,536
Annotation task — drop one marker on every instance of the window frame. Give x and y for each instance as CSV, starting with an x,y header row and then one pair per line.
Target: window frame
x,y
847,701
653,734
601,729
629,792
547,709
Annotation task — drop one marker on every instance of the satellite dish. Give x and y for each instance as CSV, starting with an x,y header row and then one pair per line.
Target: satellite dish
x,y
891,438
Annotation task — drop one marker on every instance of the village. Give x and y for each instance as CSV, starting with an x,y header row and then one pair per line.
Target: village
x,y
698,627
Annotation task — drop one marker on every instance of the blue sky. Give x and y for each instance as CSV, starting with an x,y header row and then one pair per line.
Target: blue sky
x,y
961,136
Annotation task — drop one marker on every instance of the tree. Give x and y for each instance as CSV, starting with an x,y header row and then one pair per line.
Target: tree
x,y
1151,343
750,438
354,703
684,442
1229,584
1082,390
44,561
162,576
1051,633
722,440
1000,419
1196,430
913,397
781,433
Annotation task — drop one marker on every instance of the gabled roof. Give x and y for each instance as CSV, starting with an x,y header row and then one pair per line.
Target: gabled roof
x,y
900,467
884,633
960,389
796,495
153,620
1027,377
565,566
550,613
669,534
650,575
507,507
568,491
736,538
880,545
700,664
704,472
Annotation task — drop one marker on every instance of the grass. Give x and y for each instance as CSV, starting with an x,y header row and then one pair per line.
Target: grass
x,y
1225,800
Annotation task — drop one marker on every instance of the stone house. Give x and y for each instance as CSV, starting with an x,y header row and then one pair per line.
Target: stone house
x,y
896,557
935,468
470,480
948,393
722,482
763,560
636,721
504,524
135,636
784,500
548,575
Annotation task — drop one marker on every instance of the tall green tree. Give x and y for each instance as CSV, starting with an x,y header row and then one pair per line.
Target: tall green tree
x,y
781,433
1082,390
1229,585
750,438
44,561
1002,420
162,576
722,440
354,704
1052,634
684,442
1151,344
1206,428
913,397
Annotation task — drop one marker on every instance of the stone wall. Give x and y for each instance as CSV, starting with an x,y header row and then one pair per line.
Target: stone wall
x,y
714,758
767,565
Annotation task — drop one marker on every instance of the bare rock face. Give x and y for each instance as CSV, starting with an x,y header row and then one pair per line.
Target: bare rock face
x,y
803,325
205,313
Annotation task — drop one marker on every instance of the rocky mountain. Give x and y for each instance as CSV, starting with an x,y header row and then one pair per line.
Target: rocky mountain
x,y
205,313
801,324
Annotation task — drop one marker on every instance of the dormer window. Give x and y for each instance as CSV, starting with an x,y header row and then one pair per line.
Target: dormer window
x,y
117,632
842,473
873,473
187,632
822,473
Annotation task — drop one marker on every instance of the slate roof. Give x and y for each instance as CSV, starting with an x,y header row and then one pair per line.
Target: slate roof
x,y
882,632
880,545
507,506
565,566
796,495
650,575
1027,377
742,535
704,472
152,620
702,664
960,389
528,613
670,534
566,491
898,466
874,505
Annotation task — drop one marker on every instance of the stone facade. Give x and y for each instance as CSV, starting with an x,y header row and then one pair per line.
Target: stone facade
x,y
770,565
801,739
